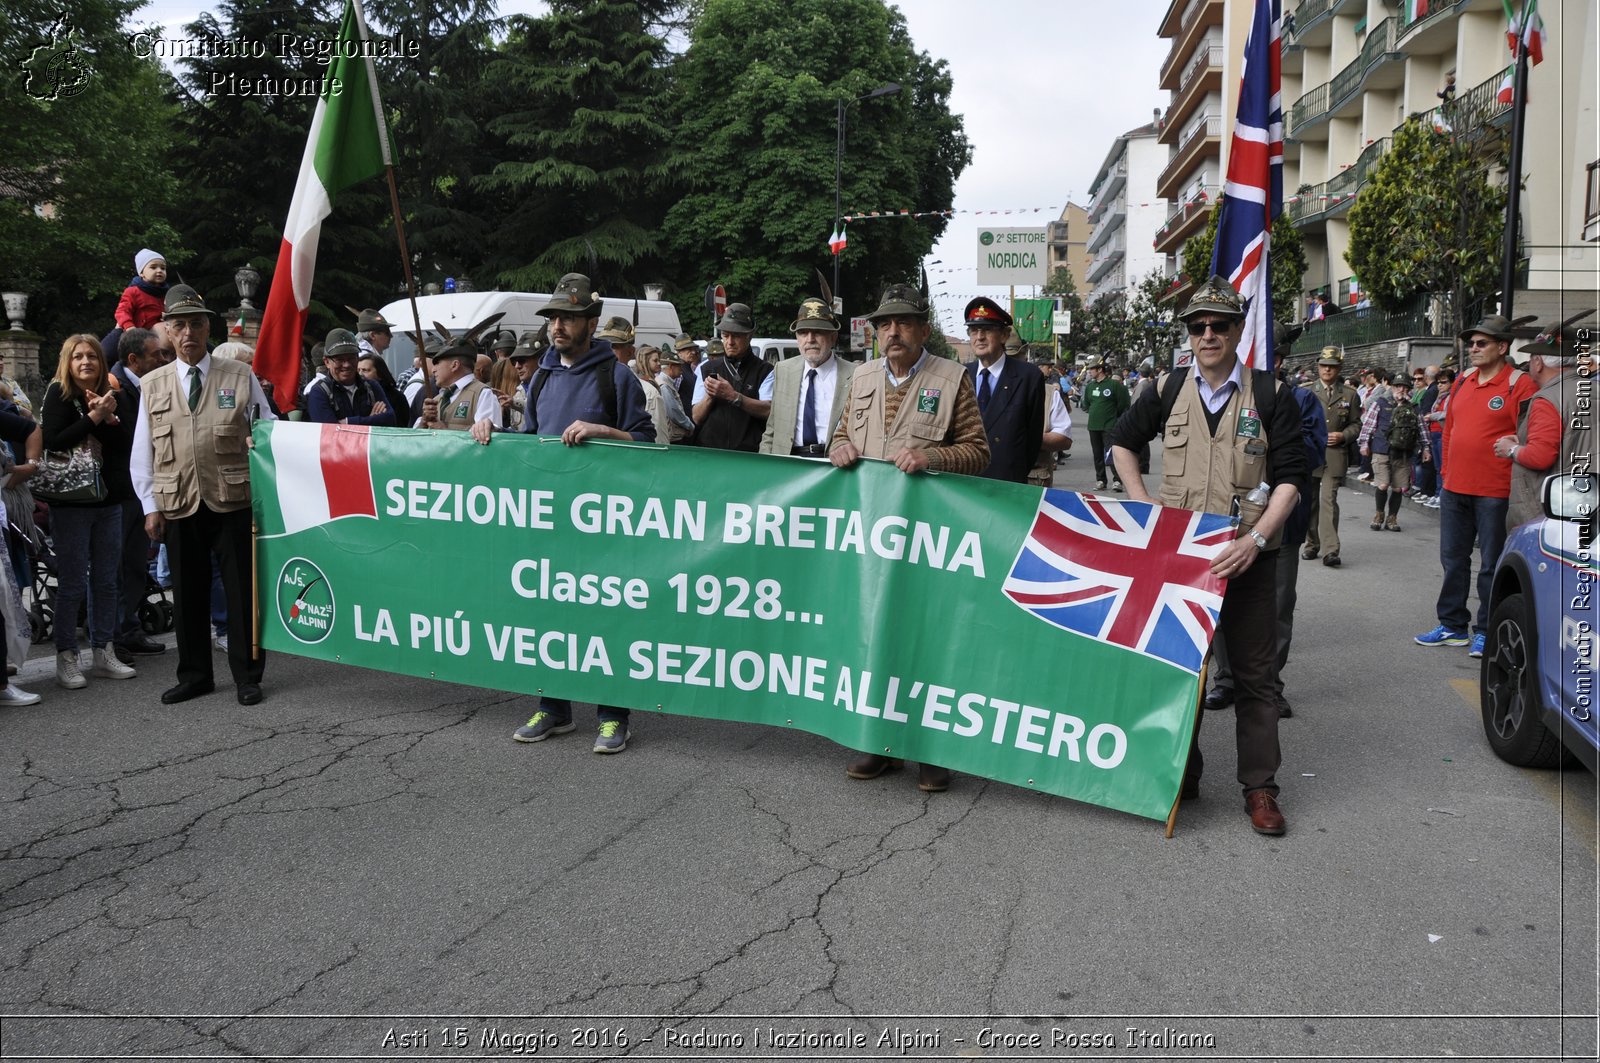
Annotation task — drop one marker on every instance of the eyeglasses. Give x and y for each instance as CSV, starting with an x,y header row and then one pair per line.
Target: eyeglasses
x,y
1198,328
1481,343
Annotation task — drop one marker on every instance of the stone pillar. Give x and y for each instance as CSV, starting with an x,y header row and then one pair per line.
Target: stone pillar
x,y
22,351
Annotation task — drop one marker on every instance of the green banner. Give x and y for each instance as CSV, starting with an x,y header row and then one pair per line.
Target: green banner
x,y
1034,320
940,618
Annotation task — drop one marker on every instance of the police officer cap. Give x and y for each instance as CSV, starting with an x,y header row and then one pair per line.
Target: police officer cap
x,y
182,301
341,343
1215,296
737,318
1331,356
1495,326
984,312
615,329
901,300
815,315
684,342
371,321
504,340
530,345
573,295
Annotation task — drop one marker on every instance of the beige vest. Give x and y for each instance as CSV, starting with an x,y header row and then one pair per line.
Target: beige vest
x,y
1043,473
457,414
652,406
925,415
1205,472
201,455
1577,444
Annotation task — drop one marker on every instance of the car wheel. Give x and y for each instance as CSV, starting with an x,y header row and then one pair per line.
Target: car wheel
x,y
1509,690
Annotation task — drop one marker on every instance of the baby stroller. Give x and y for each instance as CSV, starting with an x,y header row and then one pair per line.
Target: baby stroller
x,y
155,612
42,584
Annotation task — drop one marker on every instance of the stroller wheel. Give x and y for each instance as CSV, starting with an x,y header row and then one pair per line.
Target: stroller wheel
x,y
166,615
150,618
38,626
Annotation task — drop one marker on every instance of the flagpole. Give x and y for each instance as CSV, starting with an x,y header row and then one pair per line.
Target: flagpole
x,y
411,286
1519,106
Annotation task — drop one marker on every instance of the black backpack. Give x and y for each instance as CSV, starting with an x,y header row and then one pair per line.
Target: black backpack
x,y
1265,386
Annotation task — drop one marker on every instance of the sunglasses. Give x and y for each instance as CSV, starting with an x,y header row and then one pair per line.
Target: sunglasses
x,y
1481,343
1198,328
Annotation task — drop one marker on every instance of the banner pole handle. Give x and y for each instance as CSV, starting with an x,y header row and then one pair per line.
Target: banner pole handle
x,y
411,283
255,595
1199,707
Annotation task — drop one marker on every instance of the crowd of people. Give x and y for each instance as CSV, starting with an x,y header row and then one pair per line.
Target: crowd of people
x,y
149,453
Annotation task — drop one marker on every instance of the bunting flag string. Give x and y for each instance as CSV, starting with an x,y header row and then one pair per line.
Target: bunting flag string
x,y
868,215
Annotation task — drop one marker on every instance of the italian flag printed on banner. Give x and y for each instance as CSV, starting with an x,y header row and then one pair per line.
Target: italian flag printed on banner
x,y
837,241
324,473
348,144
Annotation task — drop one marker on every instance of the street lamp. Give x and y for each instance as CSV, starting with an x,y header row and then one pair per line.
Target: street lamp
x,y
888,89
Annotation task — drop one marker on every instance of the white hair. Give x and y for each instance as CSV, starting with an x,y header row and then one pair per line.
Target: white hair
x,y
239,352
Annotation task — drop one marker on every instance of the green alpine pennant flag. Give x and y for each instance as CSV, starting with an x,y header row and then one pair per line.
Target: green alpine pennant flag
x,y
1042,638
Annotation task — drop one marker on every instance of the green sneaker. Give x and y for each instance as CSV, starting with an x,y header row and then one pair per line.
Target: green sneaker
x,y
541,726
612,737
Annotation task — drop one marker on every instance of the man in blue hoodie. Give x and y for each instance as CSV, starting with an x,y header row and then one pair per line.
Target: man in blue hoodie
x,y
579,392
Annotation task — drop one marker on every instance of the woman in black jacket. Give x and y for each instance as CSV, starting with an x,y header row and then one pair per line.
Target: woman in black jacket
x,y
82,404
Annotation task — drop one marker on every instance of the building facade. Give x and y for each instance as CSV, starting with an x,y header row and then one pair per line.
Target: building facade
x,y
1067,243
1124,214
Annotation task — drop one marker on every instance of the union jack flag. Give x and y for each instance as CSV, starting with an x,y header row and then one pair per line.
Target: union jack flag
x,y
1252,194
1130,573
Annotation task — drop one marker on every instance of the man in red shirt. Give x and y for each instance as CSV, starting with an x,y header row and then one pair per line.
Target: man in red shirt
x,y
1477,484
1552,434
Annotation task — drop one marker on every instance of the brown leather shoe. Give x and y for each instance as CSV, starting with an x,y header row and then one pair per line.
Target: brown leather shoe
x,y
1264,815
870,766
1309,553
932,779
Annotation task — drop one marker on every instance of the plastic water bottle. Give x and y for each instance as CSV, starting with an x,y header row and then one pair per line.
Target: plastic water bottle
x,y
1260,495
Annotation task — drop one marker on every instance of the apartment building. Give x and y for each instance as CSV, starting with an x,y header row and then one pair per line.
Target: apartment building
x,y
1125,212
1067,243
1201,72
1354,70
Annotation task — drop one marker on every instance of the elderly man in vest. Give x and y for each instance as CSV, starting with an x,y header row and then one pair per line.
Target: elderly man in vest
x,y
191,471
462,399
1228,430
919,411
808,392
1554,435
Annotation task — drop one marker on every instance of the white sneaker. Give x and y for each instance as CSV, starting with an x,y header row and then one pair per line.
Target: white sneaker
x,y
67,673
219,643
15,695
107,666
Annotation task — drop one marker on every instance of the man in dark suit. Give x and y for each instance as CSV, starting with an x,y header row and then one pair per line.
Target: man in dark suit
x,y
139,352
1010,394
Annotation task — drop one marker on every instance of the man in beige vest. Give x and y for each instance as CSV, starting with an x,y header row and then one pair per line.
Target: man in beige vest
x,y
919,411
1555,434
191,471
1229,431
808,392
1342,406
462,399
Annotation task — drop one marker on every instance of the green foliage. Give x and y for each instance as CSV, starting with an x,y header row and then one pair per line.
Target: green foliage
x,y
582,101
1153,319
1061,286
756,105
1429,219
1288,261
83,191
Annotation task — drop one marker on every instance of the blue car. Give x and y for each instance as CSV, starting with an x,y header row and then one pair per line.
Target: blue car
x,y
1537,686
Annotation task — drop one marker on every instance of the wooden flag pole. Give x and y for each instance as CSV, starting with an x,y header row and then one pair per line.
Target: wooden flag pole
x,y
411,285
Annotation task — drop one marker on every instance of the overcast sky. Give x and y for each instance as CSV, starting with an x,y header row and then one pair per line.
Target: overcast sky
x,y
1043,87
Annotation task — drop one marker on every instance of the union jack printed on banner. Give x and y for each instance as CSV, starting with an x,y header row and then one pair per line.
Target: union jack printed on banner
x,y
1253,190
1130,573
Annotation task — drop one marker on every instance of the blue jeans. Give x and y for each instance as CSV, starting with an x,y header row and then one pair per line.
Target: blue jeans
x,y
88,542
1463,519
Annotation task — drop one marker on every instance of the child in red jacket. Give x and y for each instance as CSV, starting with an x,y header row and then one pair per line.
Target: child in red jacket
x,y
144,299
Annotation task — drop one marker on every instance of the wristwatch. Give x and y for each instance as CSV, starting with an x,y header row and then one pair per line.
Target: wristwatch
x,y
1260,540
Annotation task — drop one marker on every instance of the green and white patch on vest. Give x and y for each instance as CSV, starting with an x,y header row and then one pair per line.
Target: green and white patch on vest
x,y
1249,424
928,400
226,399
461,410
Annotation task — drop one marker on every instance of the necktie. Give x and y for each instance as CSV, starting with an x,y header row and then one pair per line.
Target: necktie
x,y
984,392
444,396
194,387
808,435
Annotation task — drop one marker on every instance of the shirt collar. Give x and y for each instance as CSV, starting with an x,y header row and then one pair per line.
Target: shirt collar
x,y
992,370
915,369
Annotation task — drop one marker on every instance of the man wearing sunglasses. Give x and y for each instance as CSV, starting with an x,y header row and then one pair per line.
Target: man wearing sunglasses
x,y
1477,483
1227,430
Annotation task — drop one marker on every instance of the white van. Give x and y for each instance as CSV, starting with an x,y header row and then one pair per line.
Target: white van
x,y
775,350
459,311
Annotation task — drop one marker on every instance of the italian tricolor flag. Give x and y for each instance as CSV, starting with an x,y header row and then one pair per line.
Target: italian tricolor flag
x,y
1415,10
349,143
1532,30
837,241
320,473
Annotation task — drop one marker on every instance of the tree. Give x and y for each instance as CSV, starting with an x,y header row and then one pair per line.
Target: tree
x,y
1156,328
581,96
1288,261
242,127
1062,287
757,97
1429,219
83,118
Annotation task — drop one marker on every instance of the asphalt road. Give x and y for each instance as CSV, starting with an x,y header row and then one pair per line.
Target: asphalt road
x,y
367,866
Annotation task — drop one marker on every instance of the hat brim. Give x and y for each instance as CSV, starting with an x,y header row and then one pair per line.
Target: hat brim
x,y
185,311
1545,350
1210,308
343,350
814,324
898,310
1467,334
988,323
734,328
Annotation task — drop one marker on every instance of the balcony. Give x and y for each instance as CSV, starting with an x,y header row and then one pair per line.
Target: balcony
x,y
1432,33
1202,75
1106,192
1114,252
1202,139
1591,201
1379,66
1479,104
1198,17
1104,229
1184,222
1308,109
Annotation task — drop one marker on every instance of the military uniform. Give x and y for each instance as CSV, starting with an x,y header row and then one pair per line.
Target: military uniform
x,y
1342,408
